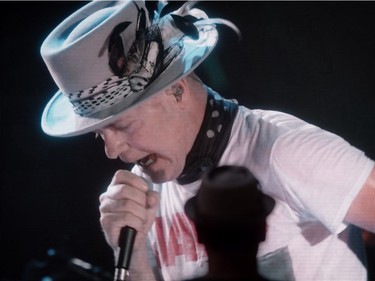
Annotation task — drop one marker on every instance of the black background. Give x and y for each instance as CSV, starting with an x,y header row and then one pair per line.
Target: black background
x,y
311,59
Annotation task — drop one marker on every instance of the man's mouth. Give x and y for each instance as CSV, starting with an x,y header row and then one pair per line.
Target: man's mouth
x,y
147,161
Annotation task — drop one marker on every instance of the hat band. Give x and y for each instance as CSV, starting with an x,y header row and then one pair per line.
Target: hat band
x,y
102,96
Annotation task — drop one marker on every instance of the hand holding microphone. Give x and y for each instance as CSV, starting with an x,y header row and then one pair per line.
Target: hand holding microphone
x,y
127,212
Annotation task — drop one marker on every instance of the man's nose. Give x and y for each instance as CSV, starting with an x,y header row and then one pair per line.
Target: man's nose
x,y
114,145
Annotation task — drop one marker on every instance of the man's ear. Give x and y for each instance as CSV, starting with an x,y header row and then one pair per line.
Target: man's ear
x,y
178,90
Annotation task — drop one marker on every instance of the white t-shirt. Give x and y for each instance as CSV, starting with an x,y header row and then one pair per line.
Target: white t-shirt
x,y
313,175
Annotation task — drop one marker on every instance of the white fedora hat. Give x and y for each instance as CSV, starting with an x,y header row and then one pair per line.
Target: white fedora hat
x,y
109,56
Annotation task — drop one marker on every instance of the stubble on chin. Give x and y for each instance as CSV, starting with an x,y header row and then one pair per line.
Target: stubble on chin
x,y
161,176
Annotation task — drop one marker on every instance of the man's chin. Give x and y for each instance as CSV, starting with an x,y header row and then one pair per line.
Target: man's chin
x,y
159,176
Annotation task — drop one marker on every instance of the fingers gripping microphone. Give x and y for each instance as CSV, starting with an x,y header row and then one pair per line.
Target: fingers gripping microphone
x,y
126,242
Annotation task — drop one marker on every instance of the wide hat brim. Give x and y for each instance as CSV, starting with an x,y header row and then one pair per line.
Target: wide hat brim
x,y
60,120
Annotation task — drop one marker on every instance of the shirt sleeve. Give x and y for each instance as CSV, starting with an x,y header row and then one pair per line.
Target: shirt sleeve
x,y
321,173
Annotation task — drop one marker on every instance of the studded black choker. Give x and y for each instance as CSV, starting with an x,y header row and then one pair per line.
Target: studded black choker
x,y
212,138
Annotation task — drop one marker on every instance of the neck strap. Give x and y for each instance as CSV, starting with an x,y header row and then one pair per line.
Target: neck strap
x,y
212,138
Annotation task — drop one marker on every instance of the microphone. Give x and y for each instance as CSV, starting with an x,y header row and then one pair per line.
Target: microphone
x,y
126,242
